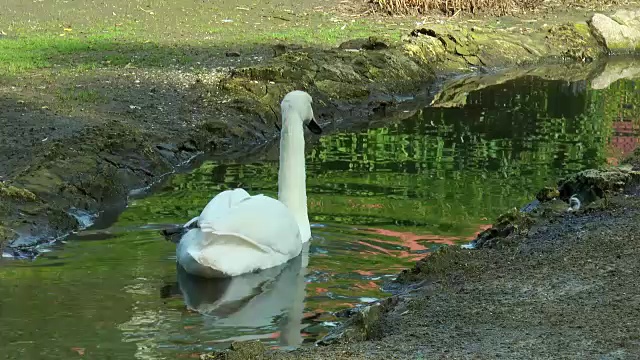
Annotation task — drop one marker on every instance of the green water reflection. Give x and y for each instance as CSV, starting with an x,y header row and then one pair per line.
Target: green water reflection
x,y
379,199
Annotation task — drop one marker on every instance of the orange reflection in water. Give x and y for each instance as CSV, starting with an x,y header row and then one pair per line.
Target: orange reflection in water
x,y
363,272
367,286
412,241
405,245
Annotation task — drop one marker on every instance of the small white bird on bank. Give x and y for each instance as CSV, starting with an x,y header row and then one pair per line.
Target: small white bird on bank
x,y
574,203
237,233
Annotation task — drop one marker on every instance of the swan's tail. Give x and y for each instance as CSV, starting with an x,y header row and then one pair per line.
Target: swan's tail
x,y
218,255
211,237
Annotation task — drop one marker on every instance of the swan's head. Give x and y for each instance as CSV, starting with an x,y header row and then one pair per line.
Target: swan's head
x,y
299,102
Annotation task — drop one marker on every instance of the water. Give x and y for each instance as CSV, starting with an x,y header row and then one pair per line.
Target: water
x,y
378,199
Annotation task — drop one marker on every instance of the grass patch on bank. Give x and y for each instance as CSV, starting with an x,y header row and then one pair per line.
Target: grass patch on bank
x,y
80,96
119,47
85,53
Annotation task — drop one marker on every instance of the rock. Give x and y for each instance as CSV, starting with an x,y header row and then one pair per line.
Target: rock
x,y
629,18
10,191
590,185
239,350
547,194
371,43
506,224
465,50
341,90
167,147
449,42
530,207
168,155
188,146
473,60
25,252
280,49
362,325
618,37
423,31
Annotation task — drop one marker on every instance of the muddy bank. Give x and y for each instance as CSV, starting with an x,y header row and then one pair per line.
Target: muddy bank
x,y
548,283
80,152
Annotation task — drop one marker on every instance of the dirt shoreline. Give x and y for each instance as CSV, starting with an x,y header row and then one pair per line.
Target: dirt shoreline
x,y
114,131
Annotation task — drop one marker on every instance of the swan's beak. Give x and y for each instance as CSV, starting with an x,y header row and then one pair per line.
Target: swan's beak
x,y
314,127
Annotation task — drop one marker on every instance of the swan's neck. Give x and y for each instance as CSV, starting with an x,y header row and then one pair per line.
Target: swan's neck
x,y
292,187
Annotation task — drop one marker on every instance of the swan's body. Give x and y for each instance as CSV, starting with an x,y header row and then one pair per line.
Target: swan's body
x,y
237,233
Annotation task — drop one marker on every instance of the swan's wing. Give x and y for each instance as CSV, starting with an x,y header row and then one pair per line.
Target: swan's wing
x,y
221,203
264,221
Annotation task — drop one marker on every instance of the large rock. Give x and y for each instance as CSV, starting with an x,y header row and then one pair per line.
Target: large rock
x,y
621,35
629,18
592,184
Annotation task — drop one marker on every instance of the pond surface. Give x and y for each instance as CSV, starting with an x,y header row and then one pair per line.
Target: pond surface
x,y
379,199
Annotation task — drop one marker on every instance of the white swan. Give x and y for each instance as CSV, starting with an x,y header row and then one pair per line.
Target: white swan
x,y
238,233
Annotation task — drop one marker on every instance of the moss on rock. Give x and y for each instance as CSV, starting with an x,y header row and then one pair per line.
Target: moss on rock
x,y
590,185
364,324
633,160
436,263
6,234
547,193
575,42
339,90
513,221
16,193
454,47
239,351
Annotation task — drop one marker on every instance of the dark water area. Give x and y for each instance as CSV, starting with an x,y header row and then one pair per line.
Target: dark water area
x,y
379,199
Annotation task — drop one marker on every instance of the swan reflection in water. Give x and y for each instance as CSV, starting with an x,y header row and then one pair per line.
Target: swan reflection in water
x,y
254,300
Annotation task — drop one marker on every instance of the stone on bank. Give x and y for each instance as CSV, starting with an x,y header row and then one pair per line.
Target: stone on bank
x,y
620,33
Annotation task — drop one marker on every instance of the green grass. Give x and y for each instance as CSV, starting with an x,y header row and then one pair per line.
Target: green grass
x,y
124,46
44,51
82,96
